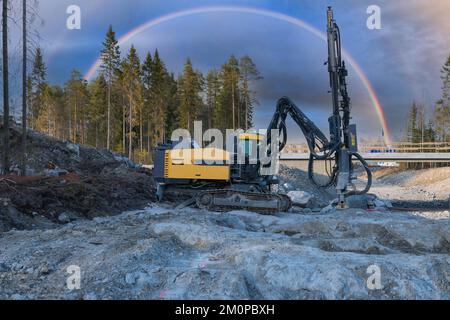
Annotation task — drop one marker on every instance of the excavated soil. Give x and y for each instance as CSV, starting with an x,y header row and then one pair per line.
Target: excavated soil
x,y
66,182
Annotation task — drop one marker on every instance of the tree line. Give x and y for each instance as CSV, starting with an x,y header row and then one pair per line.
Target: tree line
x,y
132,105
435,127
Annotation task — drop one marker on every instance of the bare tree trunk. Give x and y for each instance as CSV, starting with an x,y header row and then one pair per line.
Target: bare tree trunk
x,y
189,121
75,120
108,135
162,130
246,114
148,139
124,142
124,131
232,97
5,88
84,125
130,141
70,124
141,132
96,134
24,88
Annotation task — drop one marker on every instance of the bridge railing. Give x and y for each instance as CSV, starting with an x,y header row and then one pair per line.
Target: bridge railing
x,y
396,147
407,147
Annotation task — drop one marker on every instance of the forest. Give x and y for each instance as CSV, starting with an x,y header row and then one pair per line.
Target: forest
x,y
133,105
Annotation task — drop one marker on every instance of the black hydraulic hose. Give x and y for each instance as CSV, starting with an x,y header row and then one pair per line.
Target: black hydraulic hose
x,y
334,175
338,44
332,179
369,176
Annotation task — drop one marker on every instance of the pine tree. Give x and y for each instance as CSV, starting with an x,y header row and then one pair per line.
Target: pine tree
x,y
38,84
249,73
133,90
430,134
98,103
189,90
77,98
147,69
411,132
110,63
172,110
24,89
118,114
60,112
234,76
226,113
158,97
5,158
46,121
442,110
212,93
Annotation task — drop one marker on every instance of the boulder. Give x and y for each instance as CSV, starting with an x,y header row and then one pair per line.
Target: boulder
x,y
74,148
300,198
64,218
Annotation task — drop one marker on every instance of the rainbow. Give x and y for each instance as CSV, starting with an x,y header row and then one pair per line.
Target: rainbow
x,y
263,12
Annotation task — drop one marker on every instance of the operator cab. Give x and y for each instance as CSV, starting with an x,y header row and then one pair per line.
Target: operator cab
x,y
248,146
246,164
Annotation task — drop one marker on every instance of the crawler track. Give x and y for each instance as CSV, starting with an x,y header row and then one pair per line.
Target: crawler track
x,y
226,200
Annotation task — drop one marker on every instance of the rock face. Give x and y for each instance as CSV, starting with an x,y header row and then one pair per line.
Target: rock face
x,y
161,253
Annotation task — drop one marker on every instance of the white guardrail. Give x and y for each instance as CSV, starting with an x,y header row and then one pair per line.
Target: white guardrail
x,y
394,156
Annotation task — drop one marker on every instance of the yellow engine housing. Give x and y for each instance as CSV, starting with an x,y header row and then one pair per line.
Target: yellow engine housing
x,y
197,164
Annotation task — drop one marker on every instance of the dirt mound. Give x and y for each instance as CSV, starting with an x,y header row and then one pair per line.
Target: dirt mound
x,y
68,181
408,178
428,184
45,153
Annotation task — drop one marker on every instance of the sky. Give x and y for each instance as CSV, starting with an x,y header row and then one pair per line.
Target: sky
x,y
402,60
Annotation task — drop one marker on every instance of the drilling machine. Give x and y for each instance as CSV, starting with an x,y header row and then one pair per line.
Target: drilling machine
x,y
244,186
342,133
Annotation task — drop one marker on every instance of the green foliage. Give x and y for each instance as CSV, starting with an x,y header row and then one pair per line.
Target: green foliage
x,y
110,55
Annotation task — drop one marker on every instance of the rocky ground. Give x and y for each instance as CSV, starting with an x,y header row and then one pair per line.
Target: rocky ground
x,y
163,253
